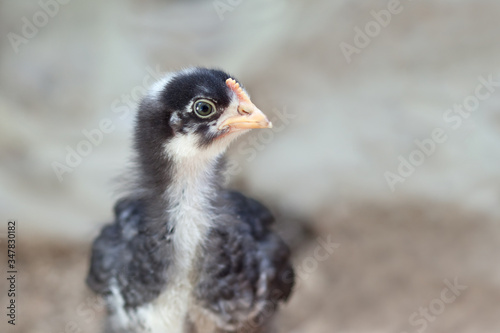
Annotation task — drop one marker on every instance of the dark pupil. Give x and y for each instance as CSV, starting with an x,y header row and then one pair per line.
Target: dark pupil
x,y
203,108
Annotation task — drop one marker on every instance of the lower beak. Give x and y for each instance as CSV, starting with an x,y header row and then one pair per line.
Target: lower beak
x,y
249,117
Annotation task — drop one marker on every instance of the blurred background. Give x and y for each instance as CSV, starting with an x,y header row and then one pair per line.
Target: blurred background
x,y
386,143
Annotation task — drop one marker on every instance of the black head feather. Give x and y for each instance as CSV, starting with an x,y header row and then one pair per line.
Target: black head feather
x,y
167,111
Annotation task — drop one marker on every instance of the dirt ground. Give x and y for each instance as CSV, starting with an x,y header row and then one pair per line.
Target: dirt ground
x,y
388,262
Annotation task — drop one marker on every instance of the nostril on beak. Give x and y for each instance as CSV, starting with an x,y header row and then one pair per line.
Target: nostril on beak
x,y
244,111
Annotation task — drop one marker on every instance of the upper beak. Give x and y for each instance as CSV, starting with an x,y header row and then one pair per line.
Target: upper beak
x,y
249,116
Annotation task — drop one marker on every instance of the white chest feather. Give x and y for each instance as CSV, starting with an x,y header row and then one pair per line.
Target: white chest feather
x,y
189,212
190,209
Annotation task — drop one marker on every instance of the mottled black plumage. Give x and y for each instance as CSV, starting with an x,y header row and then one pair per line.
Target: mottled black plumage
x,y
184,255
241,250
130,253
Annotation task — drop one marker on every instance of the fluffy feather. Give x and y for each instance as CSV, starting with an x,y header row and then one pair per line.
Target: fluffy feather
x,y
184,255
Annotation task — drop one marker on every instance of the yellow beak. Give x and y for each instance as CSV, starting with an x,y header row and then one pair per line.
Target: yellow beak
x,y
249,116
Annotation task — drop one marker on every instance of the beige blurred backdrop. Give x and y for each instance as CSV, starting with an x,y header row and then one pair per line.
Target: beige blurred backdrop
x,y
343,126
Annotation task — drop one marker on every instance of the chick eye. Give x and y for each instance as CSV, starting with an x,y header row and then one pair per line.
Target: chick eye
x,y
204,108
